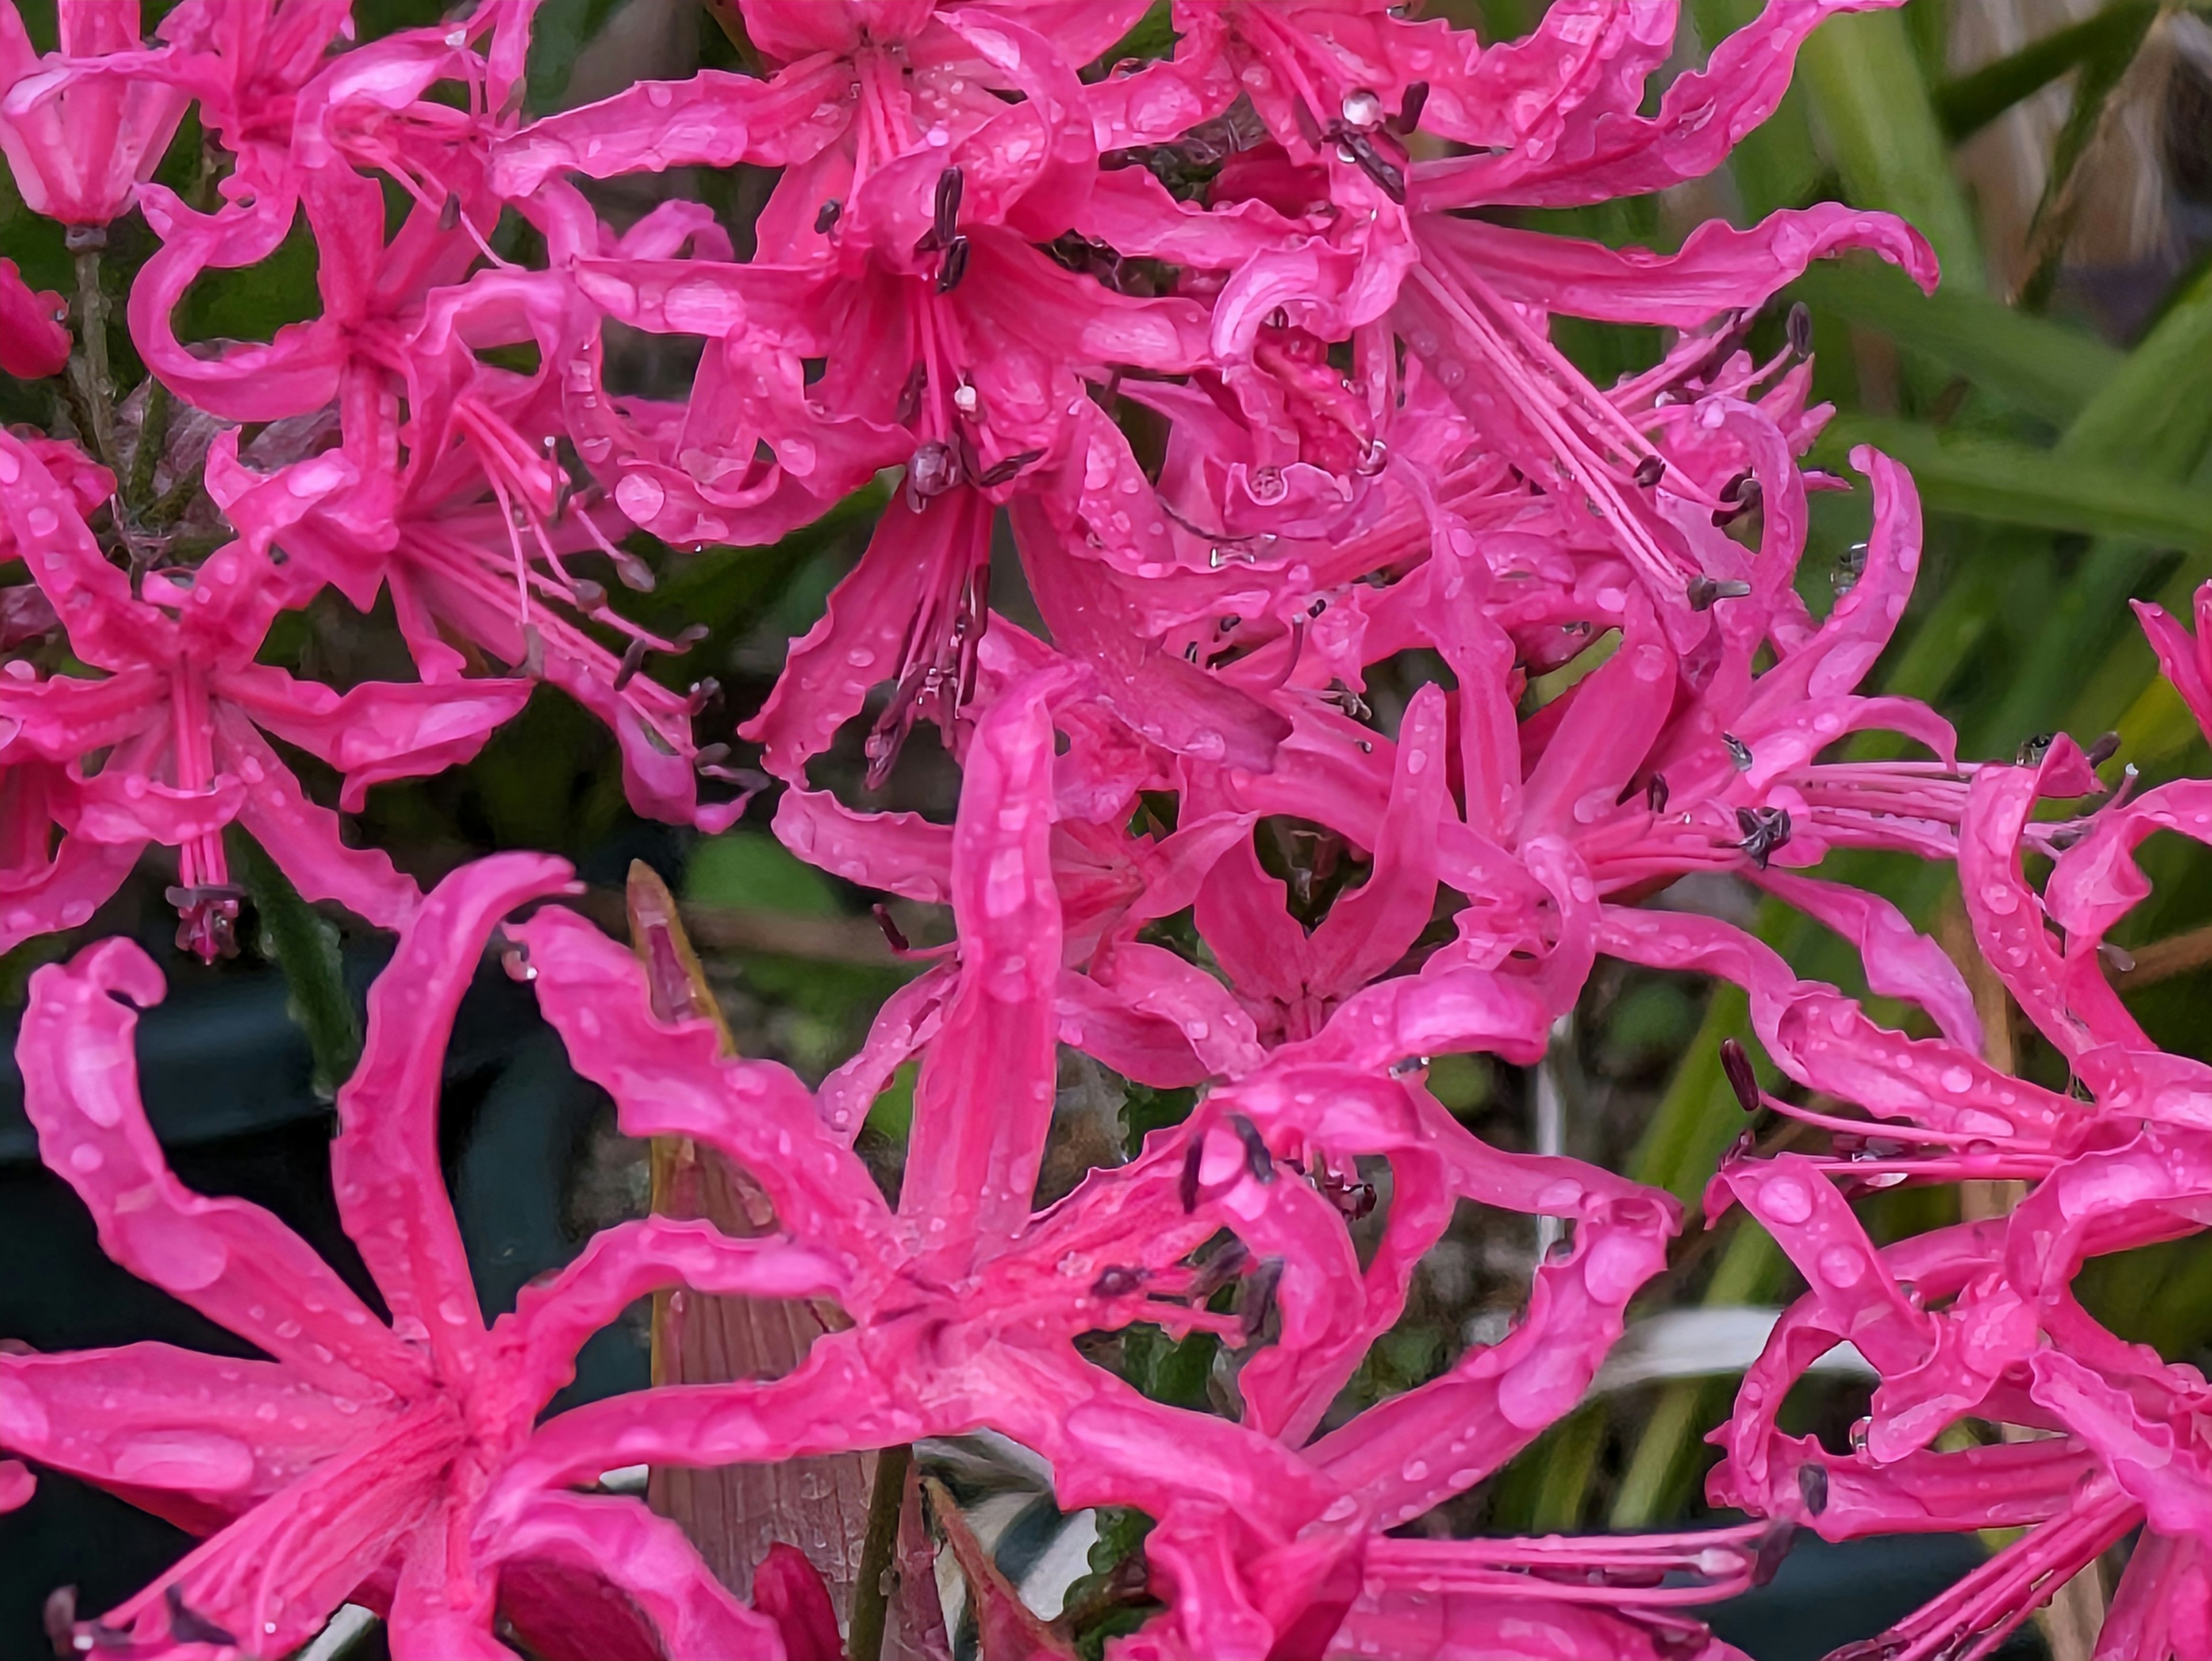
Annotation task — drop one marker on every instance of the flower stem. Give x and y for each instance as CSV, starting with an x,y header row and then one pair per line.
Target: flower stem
x,y
96,386
871,1591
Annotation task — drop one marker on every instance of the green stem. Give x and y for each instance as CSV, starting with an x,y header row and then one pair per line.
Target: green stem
x,y
96,387
305,948
871,1591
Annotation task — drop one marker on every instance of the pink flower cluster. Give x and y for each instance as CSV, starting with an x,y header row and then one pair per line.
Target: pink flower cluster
x,y
974,264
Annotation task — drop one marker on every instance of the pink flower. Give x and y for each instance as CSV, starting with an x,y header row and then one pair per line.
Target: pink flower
x,y
180,709
355,1462
82,130
966,1304
2186,662
1981,1319
1319,226
898,247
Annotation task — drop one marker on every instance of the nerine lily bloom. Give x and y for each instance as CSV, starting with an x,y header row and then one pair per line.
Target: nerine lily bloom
x,y
1981,1321
398,1464
1330,226
179,712
965,1302
83,128
354,1462
899,252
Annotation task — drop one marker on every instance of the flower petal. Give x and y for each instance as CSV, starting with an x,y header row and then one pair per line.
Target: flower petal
x,y
230,1260
385,1164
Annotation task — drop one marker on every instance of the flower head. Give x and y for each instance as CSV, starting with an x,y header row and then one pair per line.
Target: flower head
x,y
83,128
354,1461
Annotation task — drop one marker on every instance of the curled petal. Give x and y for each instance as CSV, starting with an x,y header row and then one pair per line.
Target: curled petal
x,y
984,1099
673,1081
192,1436
621,1264
231,1260
1719,268
385,1164
302,836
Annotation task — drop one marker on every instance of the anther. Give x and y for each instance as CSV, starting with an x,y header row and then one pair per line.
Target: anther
x,y
1736,1064
1800,330
954,266
946,219
1409,110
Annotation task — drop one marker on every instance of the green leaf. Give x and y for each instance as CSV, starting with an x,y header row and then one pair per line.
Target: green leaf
x,y
2154,415
559,32
752,868
2155,411
2019,484
1970,102
305,946
2040,367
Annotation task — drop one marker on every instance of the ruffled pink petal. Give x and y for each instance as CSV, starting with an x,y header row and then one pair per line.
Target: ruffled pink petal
x,y
1900,961
714,120
984,1098
281,1571
65,891
106,626
302,836
445,1601
2163,1604
218,1431
1243,916
2167,1475
909,1018
385,1164
1603,148
1151,981
2180,658
859,638
899,853
230,1260
1858,630
1370,929
17,1485
673,1081
376,732
293,374
1613,717
832,1403
619,1265
1719,267
1815,1225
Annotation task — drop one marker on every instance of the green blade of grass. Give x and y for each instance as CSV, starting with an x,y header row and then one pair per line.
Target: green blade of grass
x,y
2042,369
2019,484
1968,103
